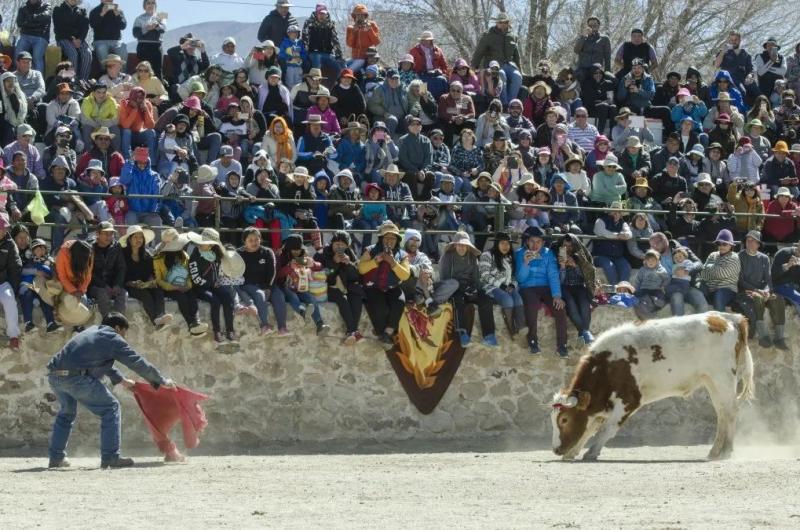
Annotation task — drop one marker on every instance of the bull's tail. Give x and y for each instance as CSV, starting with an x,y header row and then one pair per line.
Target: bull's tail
x,y
744,363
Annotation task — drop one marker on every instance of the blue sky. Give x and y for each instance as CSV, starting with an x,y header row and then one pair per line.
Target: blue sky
x,y
185,12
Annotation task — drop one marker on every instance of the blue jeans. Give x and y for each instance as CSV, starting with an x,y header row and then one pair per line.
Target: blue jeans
x,y
36,46
102,48
692,296
81,58
721,298
26,299
95,396
297,300
505,299
617,269
513,82
320,60
145,136
259,298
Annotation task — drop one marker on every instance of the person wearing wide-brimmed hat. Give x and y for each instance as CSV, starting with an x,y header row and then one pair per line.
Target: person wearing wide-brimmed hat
x,y
609,250
140,279
298,185
608,185
634,160
322,102
315,147
499,44
624,130
107,287
720,272
755,293
394,189
383,267
784,227
641,198
779,170
704,194
479,217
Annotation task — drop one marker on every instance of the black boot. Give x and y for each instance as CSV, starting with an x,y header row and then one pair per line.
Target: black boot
x,y
508,318
117,462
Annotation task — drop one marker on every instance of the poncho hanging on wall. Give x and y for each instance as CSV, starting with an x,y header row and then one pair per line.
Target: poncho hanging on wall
x,y
426,355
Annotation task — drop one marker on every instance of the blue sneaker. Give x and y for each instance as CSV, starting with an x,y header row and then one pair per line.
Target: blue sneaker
x,y
490,340
463,337
562,352
587,337
533,345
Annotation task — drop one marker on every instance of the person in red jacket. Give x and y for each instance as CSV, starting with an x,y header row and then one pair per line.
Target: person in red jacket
x,y
784,229
361,34
430,64
103,150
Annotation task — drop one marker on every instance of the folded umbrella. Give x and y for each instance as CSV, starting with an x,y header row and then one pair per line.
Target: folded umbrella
x,y
163,408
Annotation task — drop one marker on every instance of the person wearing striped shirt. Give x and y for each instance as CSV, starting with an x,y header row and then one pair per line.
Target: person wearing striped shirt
x,y
581,131
720,273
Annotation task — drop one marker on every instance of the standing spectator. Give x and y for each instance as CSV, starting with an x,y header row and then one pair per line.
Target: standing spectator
x,y
189,59
592,48
720,272
10,272
322,41
770,66
383,267
636,48
734,59
138,178
460,262
14,108
108,272
755,293
148,28
140,274
137,123
499,44
33,21
274,25
361,34
71,26
538,276
31,83
107,22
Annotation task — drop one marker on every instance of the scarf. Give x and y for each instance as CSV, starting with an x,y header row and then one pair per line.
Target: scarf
x,y
283,140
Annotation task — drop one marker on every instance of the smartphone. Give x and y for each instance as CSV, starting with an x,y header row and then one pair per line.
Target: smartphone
x,y
512,163
380,135
340,251
637,121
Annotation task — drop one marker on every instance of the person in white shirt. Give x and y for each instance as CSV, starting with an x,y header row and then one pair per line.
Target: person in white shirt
x,y
228,59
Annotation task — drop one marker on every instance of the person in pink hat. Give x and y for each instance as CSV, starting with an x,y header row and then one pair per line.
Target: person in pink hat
x,y
689,106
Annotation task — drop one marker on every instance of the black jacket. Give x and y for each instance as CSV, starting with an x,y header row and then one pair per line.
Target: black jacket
x,y
70,22
259,267
108,26
181,60
593,92
35,20
349,275
109,266
273,27
10,262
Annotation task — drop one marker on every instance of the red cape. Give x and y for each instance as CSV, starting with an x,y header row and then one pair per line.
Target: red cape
x,y
163,408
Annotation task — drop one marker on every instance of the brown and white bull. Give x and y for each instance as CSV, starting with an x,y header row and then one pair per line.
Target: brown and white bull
x,y
639,363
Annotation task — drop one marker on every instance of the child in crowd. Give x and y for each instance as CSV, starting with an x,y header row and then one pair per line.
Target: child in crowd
x,y
373,211
226,97
292,54
295,269
649,285
117,204
176,211
93,179
37,268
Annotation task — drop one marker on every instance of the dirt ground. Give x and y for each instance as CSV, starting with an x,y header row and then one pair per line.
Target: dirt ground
x,y
643,487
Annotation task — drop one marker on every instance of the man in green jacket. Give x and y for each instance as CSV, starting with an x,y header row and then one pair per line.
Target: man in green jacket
x,y
499,44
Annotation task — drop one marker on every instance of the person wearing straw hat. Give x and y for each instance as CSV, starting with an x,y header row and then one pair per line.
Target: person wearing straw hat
x,y
779,170
102,149
383,268
609,249
755,293
171,270
704,193
720,272
460,262
624,130
75,374
322,101
608,185
635,160
108,272
140,275
755,129
315,147
394,189
298,186
640,198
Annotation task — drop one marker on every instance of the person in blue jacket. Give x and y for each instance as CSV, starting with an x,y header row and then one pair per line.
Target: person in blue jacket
x,y
539,282
138,177
723,82
75,375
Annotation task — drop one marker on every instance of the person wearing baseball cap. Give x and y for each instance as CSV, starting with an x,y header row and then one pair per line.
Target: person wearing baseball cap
x,y
669,182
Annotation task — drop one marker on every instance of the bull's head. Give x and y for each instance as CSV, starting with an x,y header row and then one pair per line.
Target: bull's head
x,y
570,416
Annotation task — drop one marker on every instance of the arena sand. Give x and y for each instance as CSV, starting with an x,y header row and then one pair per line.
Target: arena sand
x,y
413,486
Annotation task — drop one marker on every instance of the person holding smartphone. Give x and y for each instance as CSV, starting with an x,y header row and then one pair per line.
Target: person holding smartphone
x,y
592,47
770,66
107,22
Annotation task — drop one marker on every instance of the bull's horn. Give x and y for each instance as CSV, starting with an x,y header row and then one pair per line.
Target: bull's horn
x,y
571,402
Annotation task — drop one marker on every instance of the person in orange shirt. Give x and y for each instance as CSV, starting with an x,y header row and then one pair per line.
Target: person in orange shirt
x,y
74,264
136,123
361,34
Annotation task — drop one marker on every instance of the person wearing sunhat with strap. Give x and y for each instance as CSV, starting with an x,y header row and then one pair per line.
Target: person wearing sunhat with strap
x,y
140,274
755,130
779,171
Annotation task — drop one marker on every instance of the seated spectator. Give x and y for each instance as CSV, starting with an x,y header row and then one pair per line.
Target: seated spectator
x,y
563,221
322,101
344,284
420,288
623,130
608,185
783,229
755,130
208,83
31,83
720,272
176,148
637,88
351,151
261,58
380,153
115,79
228,59
755,293
23,179
466,76
98,110
65,110
140,280
681,289
171,269
10,273
723,105
389,103
101,149
746,200
108,273
350,98
716,166
609,250
537,273
649,285
692,164
37,268
481,218
61,205
582,132
497,151
640,199
688,106
460,262
93,180
641,230
544,131
138,177
466,160
490,123
779,171
153,87
383,267
415,156
205,258
703,194
137,123
499,281
517,123
61,147
688,137
785,274
598,92
635,161
315,148
537,103
226,163
361,34
723,83
578,283
294,271
456,111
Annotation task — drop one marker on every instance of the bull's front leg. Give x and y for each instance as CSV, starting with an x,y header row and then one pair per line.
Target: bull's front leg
x,y
607,432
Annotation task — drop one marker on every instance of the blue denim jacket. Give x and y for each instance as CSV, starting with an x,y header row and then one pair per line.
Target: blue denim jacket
x,y
96,349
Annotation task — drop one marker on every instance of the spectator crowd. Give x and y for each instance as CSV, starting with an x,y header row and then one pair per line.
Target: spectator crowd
x,y
380,182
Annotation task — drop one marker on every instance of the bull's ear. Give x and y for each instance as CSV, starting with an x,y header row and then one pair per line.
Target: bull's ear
x,y
584,398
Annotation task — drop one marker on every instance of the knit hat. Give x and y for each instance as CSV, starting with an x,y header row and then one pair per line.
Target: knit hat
x,y
652,253
754,235
725,236
409,234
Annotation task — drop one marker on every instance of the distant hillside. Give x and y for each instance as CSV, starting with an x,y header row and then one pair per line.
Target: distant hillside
x,y
213,33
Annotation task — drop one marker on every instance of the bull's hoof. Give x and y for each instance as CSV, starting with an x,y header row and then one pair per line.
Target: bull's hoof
x,y
590,457
723,455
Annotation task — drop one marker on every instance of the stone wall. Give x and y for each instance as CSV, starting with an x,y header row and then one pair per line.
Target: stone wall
x,y
307,389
